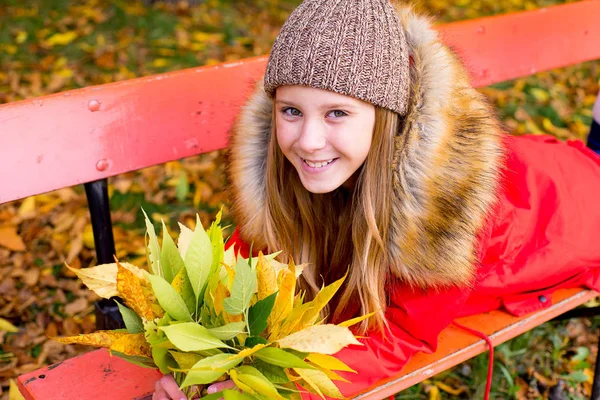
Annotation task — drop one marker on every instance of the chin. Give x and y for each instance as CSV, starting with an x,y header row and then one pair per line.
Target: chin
x,y
319,188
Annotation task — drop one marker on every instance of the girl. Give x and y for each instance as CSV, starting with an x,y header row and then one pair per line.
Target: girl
x,y
367,150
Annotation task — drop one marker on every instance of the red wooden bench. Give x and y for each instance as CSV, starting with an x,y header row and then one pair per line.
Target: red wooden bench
x,y
88,135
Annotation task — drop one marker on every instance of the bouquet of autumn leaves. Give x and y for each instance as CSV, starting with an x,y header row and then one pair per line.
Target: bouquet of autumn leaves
x,y
206,315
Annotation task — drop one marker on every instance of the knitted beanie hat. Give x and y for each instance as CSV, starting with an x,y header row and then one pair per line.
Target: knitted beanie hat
x,y
353,47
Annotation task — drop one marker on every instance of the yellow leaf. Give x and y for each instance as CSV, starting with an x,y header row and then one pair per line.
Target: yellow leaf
x,y
27,207
234,377
242,354
130,289
321,300
9,48
329,373
548,126
60,63
292,322
434,393
324,339
221,293
132,345
88,236
64,73
7,326
207,37
449,389
356,320
329,362
97,339
10,239
160,62
61,39
21,37
319,382
285,298
13,391
267,279
102,279
540,94
185,360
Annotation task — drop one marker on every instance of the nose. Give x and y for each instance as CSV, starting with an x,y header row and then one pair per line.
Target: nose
x,y
313,136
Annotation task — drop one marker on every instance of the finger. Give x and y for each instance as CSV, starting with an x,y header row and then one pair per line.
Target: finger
x,y
217,387
171,388
159,392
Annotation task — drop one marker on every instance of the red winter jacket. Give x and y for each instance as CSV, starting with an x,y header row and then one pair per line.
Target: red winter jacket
x,y
543,236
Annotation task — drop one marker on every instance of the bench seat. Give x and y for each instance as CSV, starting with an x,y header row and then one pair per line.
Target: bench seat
x,y
96,372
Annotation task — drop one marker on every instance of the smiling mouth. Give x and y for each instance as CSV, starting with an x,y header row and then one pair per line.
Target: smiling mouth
x,y
318,164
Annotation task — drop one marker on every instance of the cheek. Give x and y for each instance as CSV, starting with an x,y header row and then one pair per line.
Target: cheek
x,y
360,142
285,137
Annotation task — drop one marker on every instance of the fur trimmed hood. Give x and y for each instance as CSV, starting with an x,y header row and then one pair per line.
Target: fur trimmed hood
x,y
446,166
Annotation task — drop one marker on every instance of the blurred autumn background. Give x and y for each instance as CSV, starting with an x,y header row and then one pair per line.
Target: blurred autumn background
x,y
47,46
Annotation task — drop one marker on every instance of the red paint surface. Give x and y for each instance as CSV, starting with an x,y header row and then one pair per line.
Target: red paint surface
x,y
92,376
57,141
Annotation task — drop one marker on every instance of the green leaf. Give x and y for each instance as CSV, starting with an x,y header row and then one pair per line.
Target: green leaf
x,y
181,284
189,336
202,372
170,259
214,396
576,376
186,360
259,313
229,394
182,189
162,359
137,360
169,299
229,331
254,340
215,234
243,288
153,247
582,354
280,358
272,372
132,321
198,259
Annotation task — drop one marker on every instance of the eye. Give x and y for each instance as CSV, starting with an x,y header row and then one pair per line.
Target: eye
x,y
338,113
291,111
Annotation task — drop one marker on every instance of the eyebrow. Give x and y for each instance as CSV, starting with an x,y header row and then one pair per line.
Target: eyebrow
x,y
322,106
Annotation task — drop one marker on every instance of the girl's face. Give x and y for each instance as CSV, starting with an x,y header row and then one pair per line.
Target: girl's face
x,y
325,135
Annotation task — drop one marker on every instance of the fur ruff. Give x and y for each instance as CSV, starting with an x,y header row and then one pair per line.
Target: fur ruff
x,y
446,166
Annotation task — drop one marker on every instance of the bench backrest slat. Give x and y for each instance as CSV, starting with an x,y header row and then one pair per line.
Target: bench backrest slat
x,y
87,134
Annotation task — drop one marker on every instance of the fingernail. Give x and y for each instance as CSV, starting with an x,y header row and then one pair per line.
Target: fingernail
x,y
211,389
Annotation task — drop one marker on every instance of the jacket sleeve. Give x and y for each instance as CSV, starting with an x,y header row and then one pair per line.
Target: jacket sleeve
x,y
415,319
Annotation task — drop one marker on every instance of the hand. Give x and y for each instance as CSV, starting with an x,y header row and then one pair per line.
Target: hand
x,y
219,386
167,389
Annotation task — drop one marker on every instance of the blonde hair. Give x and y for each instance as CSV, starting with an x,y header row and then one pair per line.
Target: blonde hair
x,y
346,230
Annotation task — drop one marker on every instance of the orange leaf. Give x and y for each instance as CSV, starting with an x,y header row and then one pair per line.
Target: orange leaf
x,y
10,239
96,339
130,289
132,345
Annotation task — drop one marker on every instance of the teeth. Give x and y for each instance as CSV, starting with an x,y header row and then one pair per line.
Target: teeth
x,y
318,164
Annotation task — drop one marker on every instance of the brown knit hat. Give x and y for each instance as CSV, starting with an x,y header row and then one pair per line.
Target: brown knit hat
x,y
352,47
